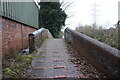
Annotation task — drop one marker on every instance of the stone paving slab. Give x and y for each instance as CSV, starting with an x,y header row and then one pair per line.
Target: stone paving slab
x,y
51,61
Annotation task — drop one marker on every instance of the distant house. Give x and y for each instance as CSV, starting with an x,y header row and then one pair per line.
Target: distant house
x,y
17,20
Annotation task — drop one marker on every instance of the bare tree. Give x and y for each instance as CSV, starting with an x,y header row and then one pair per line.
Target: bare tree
x,y
66,5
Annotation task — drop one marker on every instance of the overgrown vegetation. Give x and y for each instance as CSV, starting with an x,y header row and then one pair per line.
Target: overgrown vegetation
x,y
107,36
52,17
16,67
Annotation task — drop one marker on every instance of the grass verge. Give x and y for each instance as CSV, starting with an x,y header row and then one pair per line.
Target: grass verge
x,y
16,67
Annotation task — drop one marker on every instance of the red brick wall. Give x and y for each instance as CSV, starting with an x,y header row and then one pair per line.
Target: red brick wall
x,y
0,36
14,36
98,54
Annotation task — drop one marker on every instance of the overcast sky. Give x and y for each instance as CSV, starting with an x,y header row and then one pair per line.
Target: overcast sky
x,y
82,11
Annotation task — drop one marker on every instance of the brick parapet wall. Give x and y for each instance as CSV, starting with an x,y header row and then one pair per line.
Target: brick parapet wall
x,y
105,58
0,36
14,36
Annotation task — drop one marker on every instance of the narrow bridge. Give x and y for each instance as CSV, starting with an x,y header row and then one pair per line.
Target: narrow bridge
x,y
88,59
74,56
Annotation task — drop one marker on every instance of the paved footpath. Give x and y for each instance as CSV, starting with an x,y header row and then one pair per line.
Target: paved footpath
x,y
51,61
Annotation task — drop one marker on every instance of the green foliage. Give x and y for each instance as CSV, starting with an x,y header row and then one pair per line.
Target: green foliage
x,y
52,17
107,36
24,58
10,71
18,66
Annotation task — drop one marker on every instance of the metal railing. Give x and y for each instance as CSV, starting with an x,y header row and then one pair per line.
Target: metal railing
x,y
105,58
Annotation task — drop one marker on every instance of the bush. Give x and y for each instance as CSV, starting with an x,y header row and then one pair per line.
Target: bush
x,y
107,36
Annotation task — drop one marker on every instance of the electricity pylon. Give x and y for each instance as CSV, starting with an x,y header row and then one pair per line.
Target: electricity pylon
x,y
95,13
